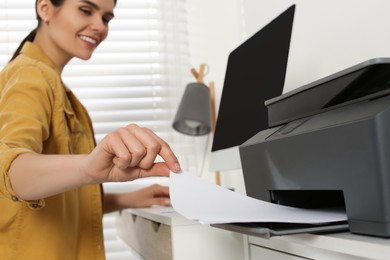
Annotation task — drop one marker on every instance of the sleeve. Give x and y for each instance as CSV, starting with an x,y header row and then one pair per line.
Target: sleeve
x,y
25,114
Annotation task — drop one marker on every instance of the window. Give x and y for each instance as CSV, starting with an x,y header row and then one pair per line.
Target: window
x,y
137,75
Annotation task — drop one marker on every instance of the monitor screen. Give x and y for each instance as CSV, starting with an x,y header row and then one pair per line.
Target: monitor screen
x,y
255,73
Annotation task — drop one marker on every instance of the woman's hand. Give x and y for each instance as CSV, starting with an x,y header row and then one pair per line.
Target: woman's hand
x,y
142,198
130,153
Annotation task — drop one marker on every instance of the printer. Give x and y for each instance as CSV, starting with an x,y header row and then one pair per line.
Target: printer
x,y
328,145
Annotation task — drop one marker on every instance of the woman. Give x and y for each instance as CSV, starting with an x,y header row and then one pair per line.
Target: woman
x,y
51,170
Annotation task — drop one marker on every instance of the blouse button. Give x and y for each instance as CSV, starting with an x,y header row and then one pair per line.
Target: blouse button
x,y
35,206
14,198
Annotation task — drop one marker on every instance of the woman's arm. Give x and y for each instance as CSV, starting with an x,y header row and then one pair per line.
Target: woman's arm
x,y
36,176
123,155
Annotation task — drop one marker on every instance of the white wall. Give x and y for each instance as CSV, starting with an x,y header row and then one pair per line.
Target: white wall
x,y
328,35
215,30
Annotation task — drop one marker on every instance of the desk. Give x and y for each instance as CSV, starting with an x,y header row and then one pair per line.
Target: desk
x,y
161,233
309,246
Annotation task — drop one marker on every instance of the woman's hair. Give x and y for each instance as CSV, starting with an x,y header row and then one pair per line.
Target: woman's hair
x,y
31,36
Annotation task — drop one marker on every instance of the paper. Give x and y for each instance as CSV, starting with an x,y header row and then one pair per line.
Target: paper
x,y
208,203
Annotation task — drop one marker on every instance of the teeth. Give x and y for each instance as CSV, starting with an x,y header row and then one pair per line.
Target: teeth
x,y
88,39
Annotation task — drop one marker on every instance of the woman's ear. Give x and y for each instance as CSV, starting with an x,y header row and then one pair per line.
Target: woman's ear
x,y
44,10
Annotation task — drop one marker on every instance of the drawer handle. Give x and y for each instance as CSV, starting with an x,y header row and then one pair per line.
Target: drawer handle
x,y
156,226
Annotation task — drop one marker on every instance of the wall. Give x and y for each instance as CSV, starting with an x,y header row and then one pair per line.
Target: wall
x,y
328,36
215,30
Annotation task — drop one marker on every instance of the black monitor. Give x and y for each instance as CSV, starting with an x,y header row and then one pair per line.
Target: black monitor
x,y
255,73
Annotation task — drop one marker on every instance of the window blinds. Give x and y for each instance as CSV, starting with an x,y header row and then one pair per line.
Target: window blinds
x,y
137,75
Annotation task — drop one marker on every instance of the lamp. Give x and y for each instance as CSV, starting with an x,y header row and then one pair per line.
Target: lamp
x,y
193,116
196,114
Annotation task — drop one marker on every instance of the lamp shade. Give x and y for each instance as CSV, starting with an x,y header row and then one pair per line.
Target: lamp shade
x,y
193,116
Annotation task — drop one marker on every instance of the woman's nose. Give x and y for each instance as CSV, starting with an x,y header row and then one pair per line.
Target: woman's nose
x,y
98,25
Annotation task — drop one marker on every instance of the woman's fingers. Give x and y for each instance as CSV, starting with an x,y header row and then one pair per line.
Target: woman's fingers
x,y
130,153
158,169
144,146
166,153
135,146
148,148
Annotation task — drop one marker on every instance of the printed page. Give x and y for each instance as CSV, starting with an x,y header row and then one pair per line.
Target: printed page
x,y
208,203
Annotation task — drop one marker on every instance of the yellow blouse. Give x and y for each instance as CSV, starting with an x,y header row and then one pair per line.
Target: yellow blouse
x,y
38,114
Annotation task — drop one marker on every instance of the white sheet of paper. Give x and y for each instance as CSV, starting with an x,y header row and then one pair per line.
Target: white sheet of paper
x,y
208,203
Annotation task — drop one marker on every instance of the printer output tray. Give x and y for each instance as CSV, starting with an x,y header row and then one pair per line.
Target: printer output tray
x,y
367,80
268,230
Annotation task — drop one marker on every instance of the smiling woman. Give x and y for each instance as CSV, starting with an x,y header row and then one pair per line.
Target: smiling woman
x,y
123,66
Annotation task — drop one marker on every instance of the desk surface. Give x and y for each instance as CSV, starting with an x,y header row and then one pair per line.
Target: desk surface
x,y
342,245
163,215
177,238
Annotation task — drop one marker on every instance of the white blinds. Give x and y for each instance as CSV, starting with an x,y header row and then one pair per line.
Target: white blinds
x,y
133,75
137,75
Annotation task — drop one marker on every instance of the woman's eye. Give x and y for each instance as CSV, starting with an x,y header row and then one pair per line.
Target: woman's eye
x,y
106,19
86,11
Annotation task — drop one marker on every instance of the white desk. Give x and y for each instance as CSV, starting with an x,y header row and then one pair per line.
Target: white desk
x,y
309,246
160,233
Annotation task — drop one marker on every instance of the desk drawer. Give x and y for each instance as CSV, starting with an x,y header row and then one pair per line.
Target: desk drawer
x,y
259,252
149,239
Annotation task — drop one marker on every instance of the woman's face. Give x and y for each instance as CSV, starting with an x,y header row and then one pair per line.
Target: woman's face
x,y
77,27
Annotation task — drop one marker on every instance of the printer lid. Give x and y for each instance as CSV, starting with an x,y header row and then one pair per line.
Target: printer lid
x,y
366,80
